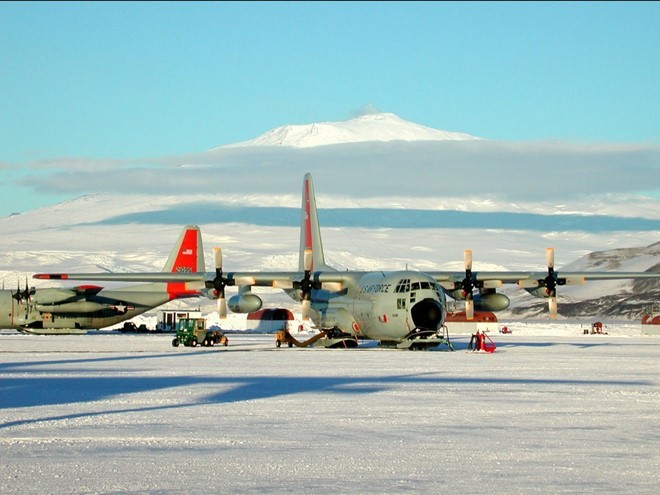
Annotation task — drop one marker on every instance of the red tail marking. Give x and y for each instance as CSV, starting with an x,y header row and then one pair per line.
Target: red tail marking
x,y
187,256
308,220
186,261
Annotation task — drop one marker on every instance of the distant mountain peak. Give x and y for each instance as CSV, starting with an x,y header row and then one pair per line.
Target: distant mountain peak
x,y
368,127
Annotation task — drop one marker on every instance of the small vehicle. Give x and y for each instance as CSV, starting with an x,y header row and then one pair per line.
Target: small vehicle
x,y
131,327
283,336
192,331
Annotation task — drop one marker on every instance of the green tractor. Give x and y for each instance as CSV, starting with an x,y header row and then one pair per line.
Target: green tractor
x,y
192,331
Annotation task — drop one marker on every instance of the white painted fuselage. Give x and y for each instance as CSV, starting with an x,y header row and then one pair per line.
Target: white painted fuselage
x,y
385,306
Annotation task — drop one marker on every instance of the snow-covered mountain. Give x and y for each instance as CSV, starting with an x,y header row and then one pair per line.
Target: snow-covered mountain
x,y
370,127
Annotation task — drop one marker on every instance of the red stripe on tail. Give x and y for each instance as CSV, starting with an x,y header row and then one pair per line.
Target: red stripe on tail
x,y
308,220
186,261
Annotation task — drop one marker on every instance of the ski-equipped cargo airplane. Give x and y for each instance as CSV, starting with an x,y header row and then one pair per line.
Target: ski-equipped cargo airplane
x,y
59,310
405,309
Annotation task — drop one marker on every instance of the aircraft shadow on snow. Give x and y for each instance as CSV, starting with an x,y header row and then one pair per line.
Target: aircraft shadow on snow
x,y
382,218
33,390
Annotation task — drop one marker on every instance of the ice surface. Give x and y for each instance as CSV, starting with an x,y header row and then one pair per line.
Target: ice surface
x,y
551,411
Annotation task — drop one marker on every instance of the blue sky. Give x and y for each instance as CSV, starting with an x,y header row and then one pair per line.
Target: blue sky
x,y
126,81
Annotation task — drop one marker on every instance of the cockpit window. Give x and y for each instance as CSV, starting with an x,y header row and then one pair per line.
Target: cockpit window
x,y
403,285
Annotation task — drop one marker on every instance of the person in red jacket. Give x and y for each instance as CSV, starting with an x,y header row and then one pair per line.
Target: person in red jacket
x,y
480,342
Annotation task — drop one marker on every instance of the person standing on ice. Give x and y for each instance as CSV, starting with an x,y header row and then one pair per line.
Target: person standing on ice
x,y
479,341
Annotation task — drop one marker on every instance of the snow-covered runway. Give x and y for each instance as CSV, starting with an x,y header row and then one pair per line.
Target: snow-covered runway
x,y
116,413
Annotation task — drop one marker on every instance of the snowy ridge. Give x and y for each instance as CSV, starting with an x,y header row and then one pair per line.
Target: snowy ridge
x,y
371,127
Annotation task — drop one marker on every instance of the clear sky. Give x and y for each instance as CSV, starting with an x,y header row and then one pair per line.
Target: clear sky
x,y
127,80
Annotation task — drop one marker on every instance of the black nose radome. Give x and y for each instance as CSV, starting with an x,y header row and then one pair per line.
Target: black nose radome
x,y
427,314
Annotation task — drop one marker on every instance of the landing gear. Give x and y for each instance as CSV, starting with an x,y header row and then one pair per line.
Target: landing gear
x,y
336,339
421,339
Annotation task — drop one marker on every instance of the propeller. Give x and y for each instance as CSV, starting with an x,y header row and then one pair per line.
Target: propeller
x,y
306,284
468,285
25,295
17,296
219,282
550,282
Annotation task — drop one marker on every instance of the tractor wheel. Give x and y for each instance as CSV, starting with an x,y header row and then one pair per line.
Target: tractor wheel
x,y
193,342
205,343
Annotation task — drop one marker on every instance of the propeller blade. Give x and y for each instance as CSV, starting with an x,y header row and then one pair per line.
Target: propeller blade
x,y
219,282
20,295
306,284
306,305
27,289
469,309
222,307
17,296
551,282
552,307
307,260
467,285
217,258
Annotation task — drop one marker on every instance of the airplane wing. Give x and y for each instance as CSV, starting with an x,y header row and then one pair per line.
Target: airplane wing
x,y
461,285
123,277
280,280
531,279
215,283
458,285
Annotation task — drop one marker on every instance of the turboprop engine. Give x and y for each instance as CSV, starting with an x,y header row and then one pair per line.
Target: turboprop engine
x,y
73,307
491,302
484,301
245,302
53,296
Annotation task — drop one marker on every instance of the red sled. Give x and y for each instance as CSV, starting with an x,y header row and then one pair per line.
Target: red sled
x,y
488,345
482,342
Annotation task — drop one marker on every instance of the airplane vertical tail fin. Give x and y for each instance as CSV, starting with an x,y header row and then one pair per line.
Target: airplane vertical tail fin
x,y
187,256
310,233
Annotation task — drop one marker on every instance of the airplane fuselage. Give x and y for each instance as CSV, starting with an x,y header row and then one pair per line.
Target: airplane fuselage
x,y
77,313
385,306
60,310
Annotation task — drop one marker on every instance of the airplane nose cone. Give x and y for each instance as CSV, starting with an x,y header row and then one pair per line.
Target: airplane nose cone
x,y
427,314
